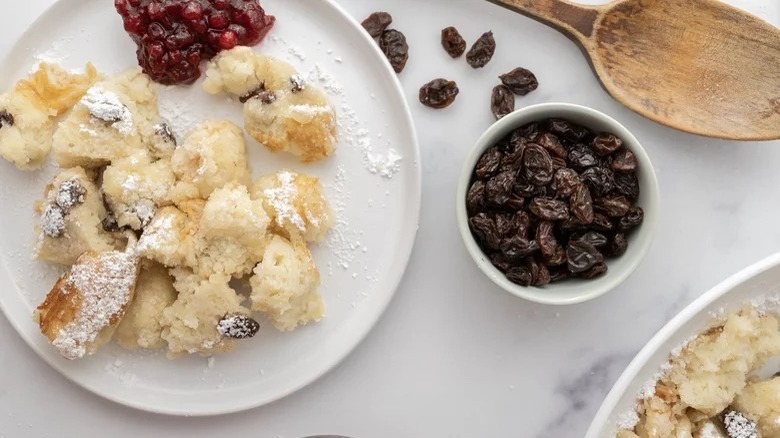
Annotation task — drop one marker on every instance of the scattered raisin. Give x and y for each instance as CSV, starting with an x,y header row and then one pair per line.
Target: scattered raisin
x,y
520,81
376,23
393,44
502,102
6,119
482,51
453,42
439,93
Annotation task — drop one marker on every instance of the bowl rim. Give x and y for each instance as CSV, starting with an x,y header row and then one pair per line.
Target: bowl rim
x,y
546,295
668,331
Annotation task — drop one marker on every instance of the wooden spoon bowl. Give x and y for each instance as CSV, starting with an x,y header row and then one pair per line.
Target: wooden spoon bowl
x,y
699,66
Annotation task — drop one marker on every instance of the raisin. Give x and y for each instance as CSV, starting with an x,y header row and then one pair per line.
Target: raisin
x,y
582,256
530,132
439,93
475,198
502,101
597,270
581,157
393,44
520,81
498,189
376,23
237,326
557,258
513,159
581,204
266,96
605,144
614,206
601,223
6,119
527,190
488,163
517,248
566,182
539,272
626,184
553,145
543,277
298,83
163,130
566,129
558,163
521,275
558,274
482,51
53,221
549,209
600,180
500,262
616,246
484,228
632,219
537,165
596,239
453,42
624,161
546,238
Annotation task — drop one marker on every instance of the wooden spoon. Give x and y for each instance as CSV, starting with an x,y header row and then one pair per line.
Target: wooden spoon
x,y
700,66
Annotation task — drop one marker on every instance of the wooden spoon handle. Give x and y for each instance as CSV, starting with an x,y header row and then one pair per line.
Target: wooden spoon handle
x,y
575,20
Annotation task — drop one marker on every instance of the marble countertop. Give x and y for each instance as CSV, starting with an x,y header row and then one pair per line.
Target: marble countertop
x,y
454,356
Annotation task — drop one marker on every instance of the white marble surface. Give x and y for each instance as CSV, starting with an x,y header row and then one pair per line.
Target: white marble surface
x,y
454,356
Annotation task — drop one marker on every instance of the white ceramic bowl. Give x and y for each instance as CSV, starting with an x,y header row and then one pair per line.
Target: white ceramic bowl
x,y
759,283
571,291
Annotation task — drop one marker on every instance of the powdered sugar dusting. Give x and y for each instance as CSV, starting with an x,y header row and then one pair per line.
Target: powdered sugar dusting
x,y
281,197
384,165
105,283
342,241
106,106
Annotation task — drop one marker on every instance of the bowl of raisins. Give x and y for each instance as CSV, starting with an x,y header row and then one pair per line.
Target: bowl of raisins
x,y
558,203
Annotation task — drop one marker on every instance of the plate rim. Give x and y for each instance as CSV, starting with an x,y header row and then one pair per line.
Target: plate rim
x,y
405,248
670,329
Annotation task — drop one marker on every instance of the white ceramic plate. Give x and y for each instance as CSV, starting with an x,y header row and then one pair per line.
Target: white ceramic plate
x,y
759,283
362,261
